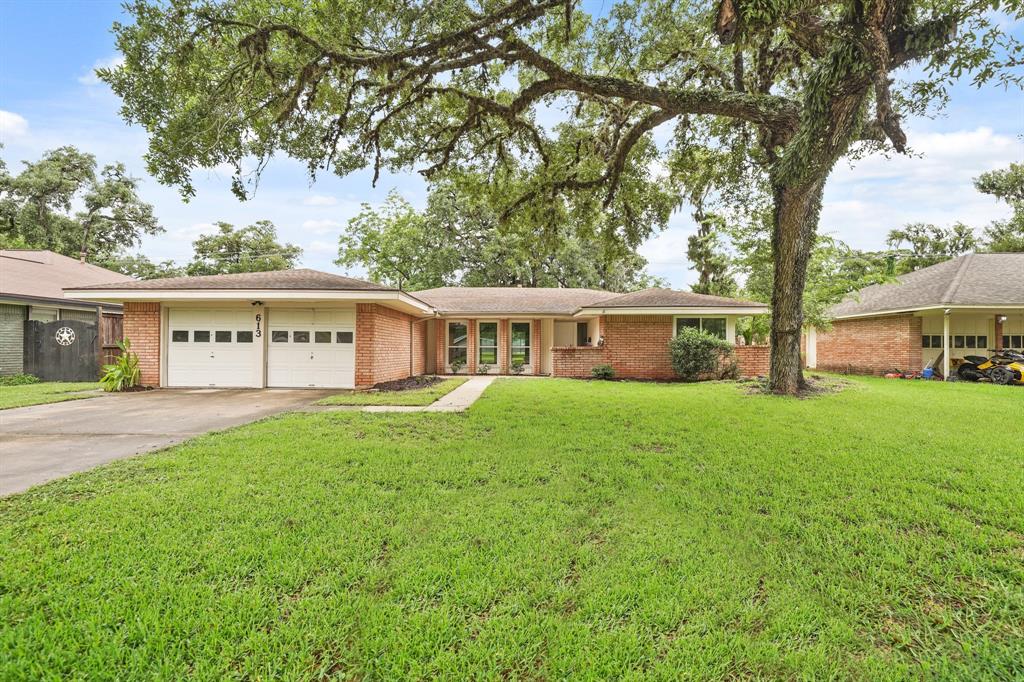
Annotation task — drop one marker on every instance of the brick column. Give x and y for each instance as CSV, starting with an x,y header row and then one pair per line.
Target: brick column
x,y
535,346
440,347
471,346
999,334
503,346
142,328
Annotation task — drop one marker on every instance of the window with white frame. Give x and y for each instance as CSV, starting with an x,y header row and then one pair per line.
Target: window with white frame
x,y
519,345
487,343
712,325
458,340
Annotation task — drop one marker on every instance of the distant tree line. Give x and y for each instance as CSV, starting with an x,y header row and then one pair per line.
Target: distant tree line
x,y
65,203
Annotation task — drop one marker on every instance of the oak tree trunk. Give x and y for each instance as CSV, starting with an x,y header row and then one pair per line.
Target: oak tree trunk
x,y
795,222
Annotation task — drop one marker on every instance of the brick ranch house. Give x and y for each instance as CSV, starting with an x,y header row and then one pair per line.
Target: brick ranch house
x,y
304,328
938,314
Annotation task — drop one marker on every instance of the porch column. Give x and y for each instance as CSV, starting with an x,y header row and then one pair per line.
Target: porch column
x,y
999,332
503,346
471,346
441,347
535,350
945,347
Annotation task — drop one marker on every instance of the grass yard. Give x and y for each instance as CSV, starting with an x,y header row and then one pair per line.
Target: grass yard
x,y
414,396
559,529
45,392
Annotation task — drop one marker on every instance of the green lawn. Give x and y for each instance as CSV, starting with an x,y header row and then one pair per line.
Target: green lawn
x,y
46,392
414,396
558,529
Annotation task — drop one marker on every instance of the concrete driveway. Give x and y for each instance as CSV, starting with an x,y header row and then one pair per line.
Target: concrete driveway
x,y
44,442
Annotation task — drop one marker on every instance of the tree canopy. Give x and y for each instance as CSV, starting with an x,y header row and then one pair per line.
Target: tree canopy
x,y
248,249
36,206
459,239
781,89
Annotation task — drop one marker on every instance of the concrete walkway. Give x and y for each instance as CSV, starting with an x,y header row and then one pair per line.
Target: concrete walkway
x,y
44,442
457,401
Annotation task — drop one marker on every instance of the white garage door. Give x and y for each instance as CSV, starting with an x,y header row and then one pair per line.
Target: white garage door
x,y
212,347
311,347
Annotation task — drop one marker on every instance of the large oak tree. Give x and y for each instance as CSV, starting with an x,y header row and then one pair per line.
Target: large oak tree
x,y
786,86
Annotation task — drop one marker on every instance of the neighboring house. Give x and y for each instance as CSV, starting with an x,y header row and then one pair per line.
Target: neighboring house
x,y
32,284
299,328
963,306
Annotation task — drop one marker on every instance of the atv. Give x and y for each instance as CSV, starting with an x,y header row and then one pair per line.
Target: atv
x,y
1004,367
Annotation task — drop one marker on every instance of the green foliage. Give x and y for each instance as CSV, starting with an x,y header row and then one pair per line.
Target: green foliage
x,y
1005,236
483,369
929,244
36,206
517,366
19,380
456,366
249,249
415,396
697,354
44,392
140,267
605,372
124,372
460,239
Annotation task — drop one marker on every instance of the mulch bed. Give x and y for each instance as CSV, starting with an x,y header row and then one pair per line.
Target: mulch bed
x,y
407,384
814,386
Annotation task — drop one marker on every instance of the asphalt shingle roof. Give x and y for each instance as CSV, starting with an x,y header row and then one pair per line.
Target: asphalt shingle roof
x,y
671,298
299,279
542,301
981,279
45,274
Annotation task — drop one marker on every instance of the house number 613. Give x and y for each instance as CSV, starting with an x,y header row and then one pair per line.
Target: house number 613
x,y
259,332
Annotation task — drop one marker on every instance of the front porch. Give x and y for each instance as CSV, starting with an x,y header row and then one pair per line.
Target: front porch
x,y
949,337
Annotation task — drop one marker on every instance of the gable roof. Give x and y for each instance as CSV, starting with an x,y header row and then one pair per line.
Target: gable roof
x,y
299,278
41,274
977,279
672,298
525,300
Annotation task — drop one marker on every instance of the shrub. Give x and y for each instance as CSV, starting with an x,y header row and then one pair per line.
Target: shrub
x,y
518,366
19,380
602,372
124,372
456,366
483,369
699,354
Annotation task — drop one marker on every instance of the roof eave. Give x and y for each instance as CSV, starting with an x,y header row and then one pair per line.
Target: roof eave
x,y
925,308
196,295
673,310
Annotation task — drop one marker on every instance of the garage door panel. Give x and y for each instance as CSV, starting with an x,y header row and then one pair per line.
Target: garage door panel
x,y
311,348
212,347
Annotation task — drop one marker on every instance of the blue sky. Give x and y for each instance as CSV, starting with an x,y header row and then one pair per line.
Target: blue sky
x,y
49,98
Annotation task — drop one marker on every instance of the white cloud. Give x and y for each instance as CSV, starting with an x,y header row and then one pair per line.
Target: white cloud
x,y
90,78
319,200
321,226
12,125
318,246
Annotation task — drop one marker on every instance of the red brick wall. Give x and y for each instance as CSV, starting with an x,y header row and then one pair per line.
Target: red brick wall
x,y
570,361
637,345
471,346
419,347
383,351
753,361
872,345
142,328
440,346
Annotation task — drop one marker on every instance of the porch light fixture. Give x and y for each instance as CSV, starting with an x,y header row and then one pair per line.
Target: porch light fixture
x,y
1001,318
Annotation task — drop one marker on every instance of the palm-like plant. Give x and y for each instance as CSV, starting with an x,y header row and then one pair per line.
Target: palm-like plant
x,y
124,372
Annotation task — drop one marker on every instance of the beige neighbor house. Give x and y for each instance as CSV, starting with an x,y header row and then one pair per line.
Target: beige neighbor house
x,y
32,285
939,314
304,328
